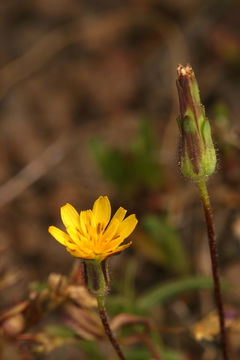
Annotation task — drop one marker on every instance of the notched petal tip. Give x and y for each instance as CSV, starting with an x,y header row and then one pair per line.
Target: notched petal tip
x,y
102,210
120,214
127,226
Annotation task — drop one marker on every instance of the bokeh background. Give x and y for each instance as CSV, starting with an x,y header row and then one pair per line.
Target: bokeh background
x,y
88,107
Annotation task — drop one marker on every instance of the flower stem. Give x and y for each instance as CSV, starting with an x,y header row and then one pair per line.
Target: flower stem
x,y
215,265
108,331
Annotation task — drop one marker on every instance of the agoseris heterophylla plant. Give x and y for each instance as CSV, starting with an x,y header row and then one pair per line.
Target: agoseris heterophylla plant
x,y
93,237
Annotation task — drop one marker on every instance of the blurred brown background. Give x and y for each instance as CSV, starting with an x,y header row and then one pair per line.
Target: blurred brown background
x,y
74,70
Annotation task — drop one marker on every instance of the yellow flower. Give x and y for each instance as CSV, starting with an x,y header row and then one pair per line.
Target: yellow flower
x,y
90,235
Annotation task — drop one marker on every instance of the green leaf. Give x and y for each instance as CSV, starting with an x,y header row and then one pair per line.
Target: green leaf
x,y
168,354
60,331
141,353
166,243
144,142
132,169
110,161
162,293
138,353
38,286
143,148
91,349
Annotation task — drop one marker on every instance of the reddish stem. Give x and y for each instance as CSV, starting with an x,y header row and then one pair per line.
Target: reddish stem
x,y
215,266
108,331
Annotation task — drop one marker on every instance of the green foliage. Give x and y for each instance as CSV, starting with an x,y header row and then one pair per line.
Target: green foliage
x,y
125,301
37,286
157,294
138,353
133,169
221,115
168,354
165,245
227,142
172,289
111,163
91,349
60,331
143,149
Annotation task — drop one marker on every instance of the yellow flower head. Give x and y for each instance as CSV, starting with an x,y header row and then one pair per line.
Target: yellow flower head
x,y
90,235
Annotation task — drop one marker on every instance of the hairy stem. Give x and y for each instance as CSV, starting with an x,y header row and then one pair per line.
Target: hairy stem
x,y
108,331
215,265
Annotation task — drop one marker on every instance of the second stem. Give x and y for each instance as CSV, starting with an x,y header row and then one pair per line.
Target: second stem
x,y
215,265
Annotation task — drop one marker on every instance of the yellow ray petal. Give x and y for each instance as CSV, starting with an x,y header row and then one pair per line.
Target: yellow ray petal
x,y
69,216
76,236
127,226
59,235
87,221
78,253
116,242
119,249
102,211
119,214
111,230
83,220
75,247
73,233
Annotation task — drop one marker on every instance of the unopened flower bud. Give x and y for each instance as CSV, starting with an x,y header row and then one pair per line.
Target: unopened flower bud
x,y
97,276
197,153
